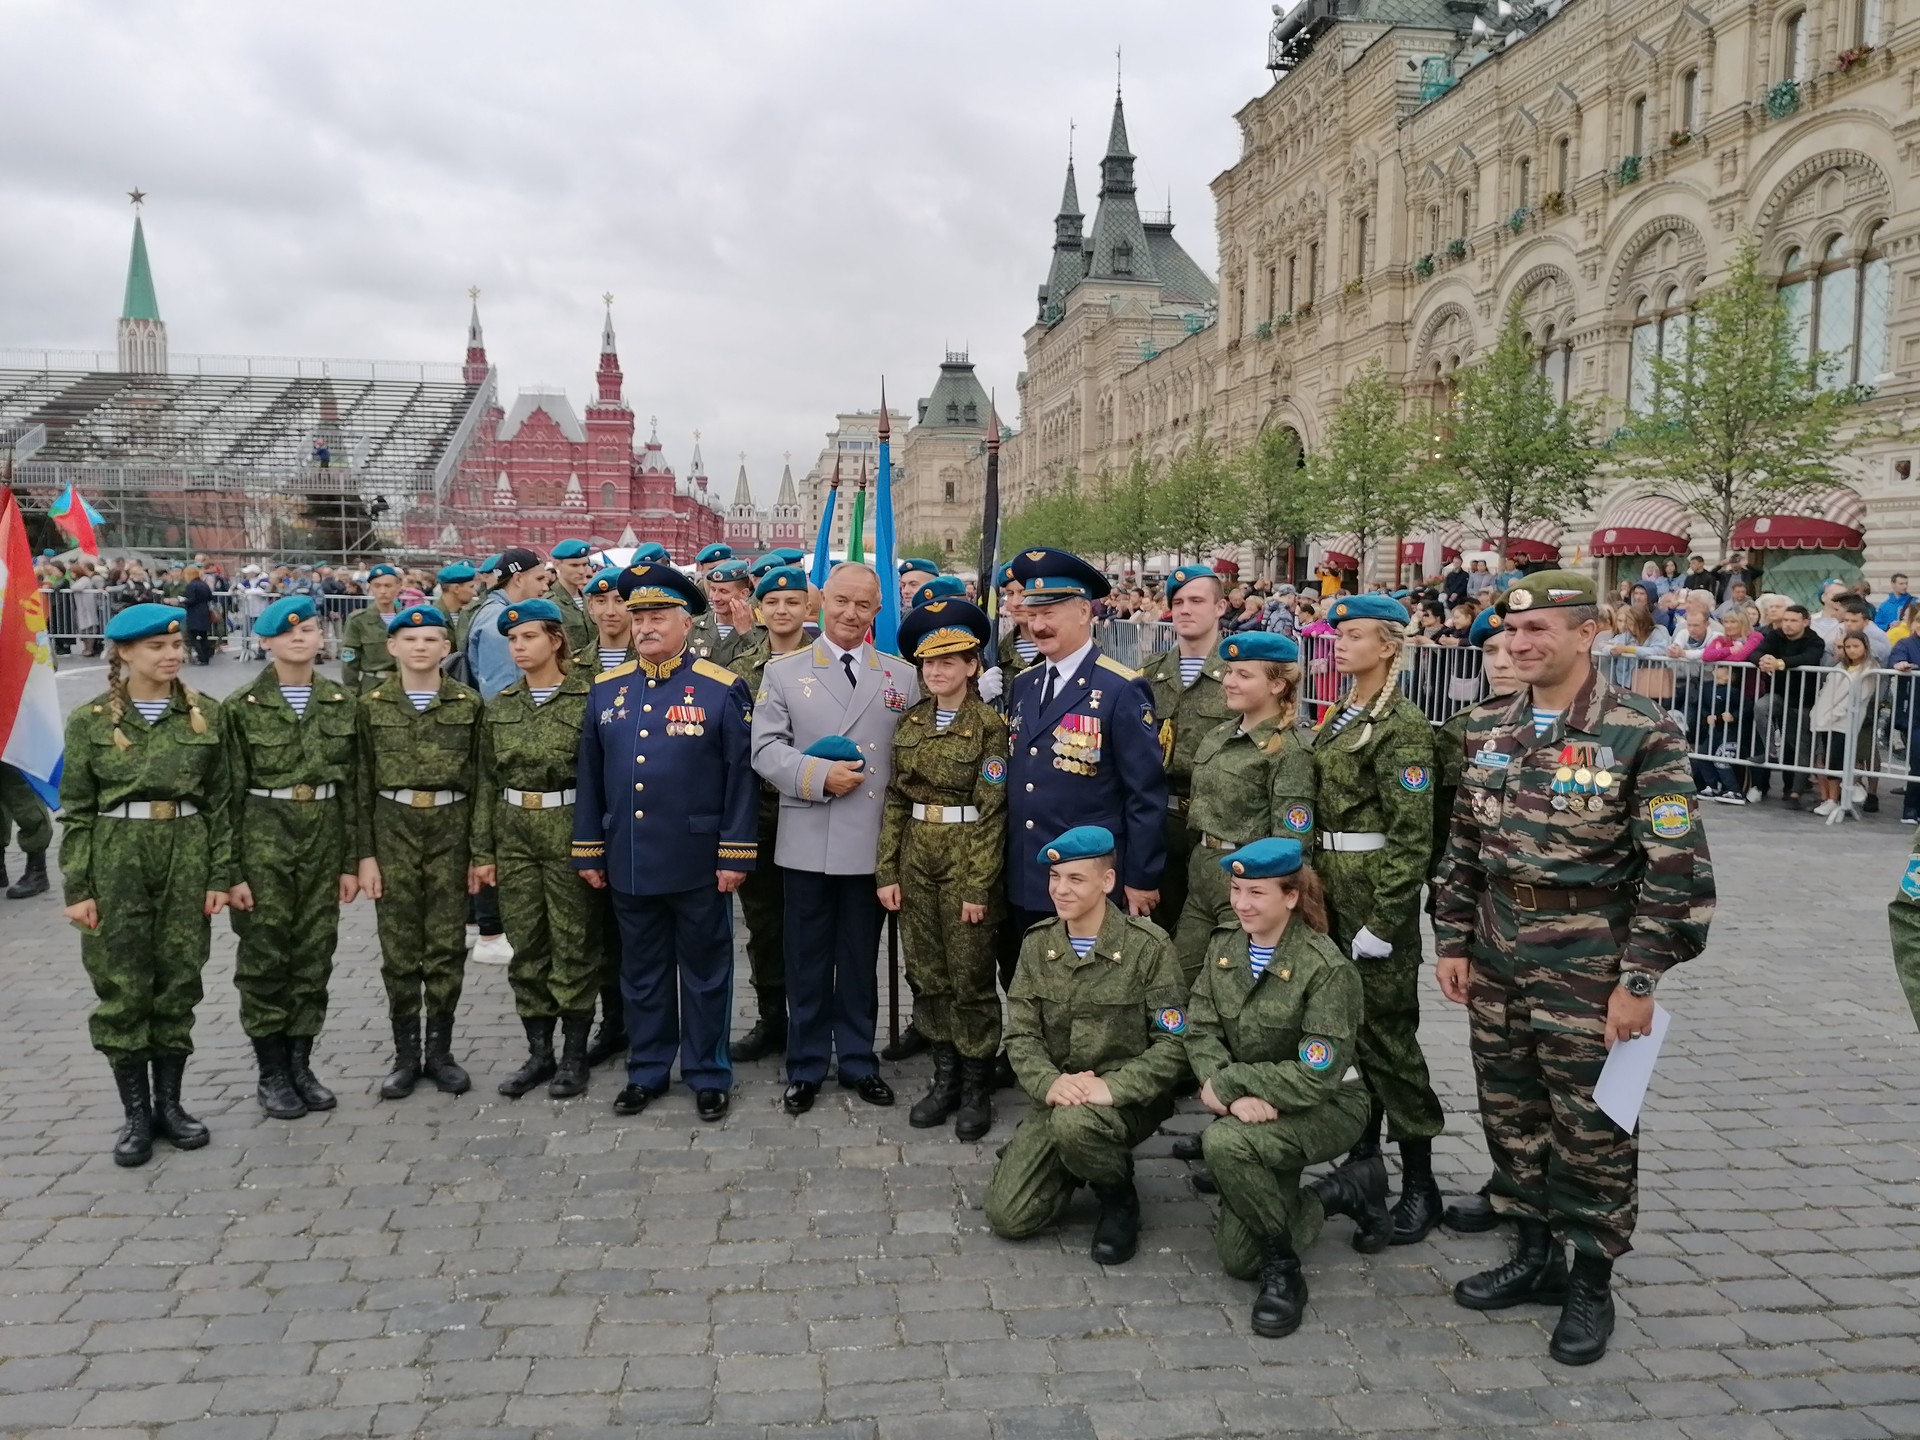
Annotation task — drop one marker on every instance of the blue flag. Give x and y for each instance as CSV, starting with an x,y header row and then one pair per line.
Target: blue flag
x,y
886,626
822,561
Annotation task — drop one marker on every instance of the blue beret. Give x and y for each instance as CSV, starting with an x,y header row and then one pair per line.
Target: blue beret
x,y
1260,645
789,556
490,564
941,587
944,627
283,614
651,553
1264,859
728,570
924,567
1003,577
1368,607
712,553
1486,625
571,550
528,612
458,573
417,617
1083,842
781,577
774,559
377,571
604,582
1052,575
143,622
835,747
647,586
1184,574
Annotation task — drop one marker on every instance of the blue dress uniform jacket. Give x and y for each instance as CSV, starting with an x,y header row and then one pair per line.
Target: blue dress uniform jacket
x,y
667,789
1092,758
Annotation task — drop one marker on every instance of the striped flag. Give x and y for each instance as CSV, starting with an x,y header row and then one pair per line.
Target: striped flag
x,y
32,739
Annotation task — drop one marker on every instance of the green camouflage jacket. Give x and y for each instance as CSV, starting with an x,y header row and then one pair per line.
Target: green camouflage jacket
x,y
364,660
1249,786
1449,759
525,746
1187,713
582,634
1375,777
463,622
965,764
271,748
403,749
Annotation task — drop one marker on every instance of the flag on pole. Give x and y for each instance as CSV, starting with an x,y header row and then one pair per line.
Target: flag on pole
x,y
31,735
857,532
74,515
990,539
886,629
822,561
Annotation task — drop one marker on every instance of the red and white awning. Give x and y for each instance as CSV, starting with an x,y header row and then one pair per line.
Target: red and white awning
x,y
1833,519
1535,543
1342,552
1649,525
1452,538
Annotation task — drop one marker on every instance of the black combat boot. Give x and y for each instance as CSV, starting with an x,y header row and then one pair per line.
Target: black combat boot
x,y
1282,1301
1536,1275
1187,1147
1472,1214
406,1059
33,879
1417,1210
1116,1234
275,1092
1586,1318
436,1057
171,1122
300,1070
135,1145
611,1040
975,1116
910,1044
1368,1145
570,1078
539,1066
943,1096
1358,1190
769,1033
1003,1076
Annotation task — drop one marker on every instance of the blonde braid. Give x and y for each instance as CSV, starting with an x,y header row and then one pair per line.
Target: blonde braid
x,y
1289,715
196,721
117,698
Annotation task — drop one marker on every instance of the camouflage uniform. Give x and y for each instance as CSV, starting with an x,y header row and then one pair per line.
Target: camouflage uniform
x,y
1187,714
423,852
1245,787
729,649
149,878
290,852
1623,880
1903,920
941,866
1066,1014
21,806
463,622
1256,1036
582,634
1449,761
705,636
548,910
364,661
1374,777
762,898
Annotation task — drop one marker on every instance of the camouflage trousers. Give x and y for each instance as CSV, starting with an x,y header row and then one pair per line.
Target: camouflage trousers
x,y
762,900
289,853
548,912
150,884
949,963
1388,1046
1258,1170
422,918
1174,879
22,807
1903,922
1058,1148
1207,909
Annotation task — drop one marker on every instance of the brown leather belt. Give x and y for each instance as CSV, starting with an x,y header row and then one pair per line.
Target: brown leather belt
x,y
1545,897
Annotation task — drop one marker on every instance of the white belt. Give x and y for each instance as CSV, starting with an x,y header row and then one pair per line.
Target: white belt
x,y
295,792
946,814
424,799
538,799
1352,841
152,810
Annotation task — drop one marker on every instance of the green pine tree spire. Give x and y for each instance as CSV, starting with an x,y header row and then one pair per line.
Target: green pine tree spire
x,y
141,303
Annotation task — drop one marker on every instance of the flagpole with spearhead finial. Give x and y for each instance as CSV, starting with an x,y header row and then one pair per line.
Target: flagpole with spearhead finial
x,y
886,632
990,538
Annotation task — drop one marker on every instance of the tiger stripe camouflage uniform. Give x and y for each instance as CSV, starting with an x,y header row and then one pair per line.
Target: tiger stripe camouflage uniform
x,y
1573,855
1187,715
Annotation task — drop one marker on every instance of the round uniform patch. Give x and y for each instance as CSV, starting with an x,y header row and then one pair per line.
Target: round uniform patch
x,y
1172,1019
994,772
1415,777
1298,819
1315,1053
349,655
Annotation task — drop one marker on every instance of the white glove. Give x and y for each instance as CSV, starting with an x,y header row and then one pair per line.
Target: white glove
x,y
1369,946
991,684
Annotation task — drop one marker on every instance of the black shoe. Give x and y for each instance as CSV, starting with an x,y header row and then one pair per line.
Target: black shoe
x,y
1536,1275
33,879
943,1095
570,1079
1417,1210
870,1088
436,1057
1869,806
1116,1234
610,1040
1203,1180
275,1091
635,1098
406,1059
1586,1318
135,1144
768,1035
1186,1147
910,1044
1003,1076
800,1096
975,1116
1472,1214
171,1122
1282,1301
538,1067
712,1104
1368,1145
1358,1190
305,1083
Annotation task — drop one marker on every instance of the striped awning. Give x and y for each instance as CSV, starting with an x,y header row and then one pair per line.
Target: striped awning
x,y
1342,552
1535,543
1452,538
1648,525
1834,519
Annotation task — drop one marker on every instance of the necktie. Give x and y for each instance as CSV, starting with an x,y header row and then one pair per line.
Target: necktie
x,y
846,663
1046,690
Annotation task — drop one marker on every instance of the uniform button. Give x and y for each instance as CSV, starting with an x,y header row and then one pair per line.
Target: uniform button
x,y
1029,787
1032,750
639,759
1029,824
643,734
647,708
638,786
639,814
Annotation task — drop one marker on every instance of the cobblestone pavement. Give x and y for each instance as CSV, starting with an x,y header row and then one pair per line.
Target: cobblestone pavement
x,y
446,1265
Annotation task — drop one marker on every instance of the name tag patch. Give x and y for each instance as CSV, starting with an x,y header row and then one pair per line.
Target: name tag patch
x,y
1316,1053
1494,759
1671,815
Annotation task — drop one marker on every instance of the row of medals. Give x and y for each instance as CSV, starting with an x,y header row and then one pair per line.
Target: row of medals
x,y
1584,777
1076,744
686,718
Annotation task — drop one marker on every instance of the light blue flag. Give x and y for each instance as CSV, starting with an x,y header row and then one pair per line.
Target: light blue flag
x,y
886,626
822,561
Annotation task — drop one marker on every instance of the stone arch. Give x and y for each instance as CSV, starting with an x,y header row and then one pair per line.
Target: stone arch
x,y
1450,328
1845,178
1284,414
1644,255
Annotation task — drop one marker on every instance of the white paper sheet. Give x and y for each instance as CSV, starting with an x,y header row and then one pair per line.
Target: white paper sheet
x,y
1623,1079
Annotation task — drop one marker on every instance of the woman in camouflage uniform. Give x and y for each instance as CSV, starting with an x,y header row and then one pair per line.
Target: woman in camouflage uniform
x,y
146,863
942,842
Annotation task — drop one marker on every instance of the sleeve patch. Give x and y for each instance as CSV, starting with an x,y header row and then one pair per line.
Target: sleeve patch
x,y
1910,882
1671,815
1298,819
349,655
1415,778
1171,1020
1316,1053
994,772
1146,716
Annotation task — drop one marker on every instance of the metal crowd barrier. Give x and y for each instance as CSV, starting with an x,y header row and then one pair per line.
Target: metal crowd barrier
x,y
76,619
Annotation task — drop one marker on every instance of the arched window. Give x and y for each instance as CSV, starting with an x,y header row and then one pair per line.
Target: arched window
x,y
1556,363
609,495
1840,305
1637,126
1690,101
1793,46
1563,164
1663,330
1433,227
1868,19
1523,183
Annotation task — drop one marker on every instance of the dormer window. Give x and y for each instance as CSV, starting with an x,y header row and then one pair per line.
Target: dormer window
x,y
972,412
953,412
1123,259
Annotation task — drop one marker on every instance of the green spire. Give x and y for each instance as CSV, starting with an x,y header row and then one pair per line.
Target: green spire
x,y
141,302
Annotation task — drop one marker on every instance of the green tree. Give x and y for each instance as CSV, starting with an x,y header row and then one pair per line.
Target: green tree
x,y
1193,506
1129,518
934,548
1377,471
1277,502
1518,453
1739,417
1058,517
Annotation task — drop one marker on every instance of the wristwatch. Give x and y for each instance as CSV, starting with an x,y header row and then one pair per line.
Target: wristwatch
x,y
1638,983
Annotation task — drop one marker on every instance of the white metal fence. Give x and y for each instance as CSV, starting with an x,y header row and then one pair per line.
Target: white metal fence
x,y
76,619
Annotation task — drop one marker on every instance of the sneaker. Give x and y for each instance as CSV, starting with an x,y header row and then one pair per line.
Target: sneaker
x,y
1754,795
1910,819
1826,807
1710,792
492,950
1731,797
473,936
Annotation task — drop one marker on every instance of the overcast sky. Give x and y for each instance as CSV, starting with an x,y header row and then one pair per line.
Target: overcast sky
x,y
787,198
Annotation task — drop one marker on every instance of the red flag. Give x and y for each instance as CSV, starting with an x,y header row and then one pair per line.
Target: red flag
x,y
75,517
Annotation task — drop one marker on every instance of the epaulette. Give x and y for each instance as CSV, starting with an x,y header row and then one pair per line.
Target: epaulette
x,y
623,669
889,655
1109,663
791,654
714,672
1141,922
